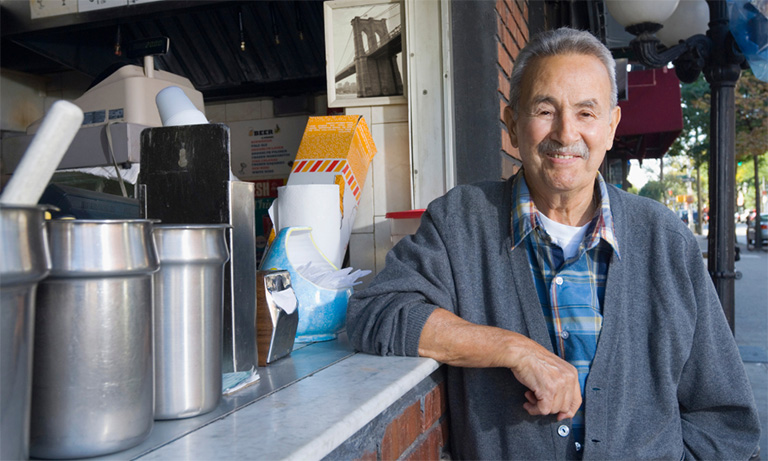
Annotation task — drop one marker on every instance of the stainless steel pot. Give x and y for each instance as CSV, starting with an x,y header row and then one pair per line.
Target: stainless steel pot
x,y
92,388
189,298
24,261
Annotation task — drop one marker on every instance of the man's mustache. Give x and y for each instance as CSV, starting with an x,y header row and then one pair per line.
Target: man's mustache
x,y
549,146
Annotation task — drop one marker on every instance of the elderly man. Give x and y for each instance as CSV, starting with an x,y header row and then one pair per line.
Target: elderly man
x,y
576,320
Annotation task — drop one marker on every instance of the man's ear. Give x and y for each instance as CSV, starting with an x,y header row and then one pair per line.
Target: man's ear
x,y
509,120
615,119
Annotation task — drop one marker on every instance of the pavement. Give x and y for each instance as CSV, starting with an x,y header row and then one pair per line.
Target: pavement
x,y
751,323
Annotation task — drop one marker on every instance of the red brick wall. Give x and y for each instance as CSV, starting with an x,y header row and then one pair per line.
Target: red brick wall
x,y
420,432
512,35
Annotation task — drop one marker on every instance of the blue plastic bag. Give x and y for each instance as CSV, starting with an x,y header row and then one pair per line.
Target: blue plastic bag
x,y
749,26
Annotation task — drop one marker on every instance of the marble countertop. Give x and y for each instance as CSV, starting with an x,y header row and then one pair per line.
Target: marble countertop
x,y
303,417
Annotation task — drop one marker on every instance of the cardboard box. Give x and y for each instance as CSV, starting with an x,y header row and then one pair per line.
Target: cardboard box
x,y
334,146
335,150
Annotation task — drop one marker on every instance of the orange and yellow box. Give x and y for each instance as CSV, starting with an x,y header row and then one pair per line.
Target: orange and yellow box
x,y
335,150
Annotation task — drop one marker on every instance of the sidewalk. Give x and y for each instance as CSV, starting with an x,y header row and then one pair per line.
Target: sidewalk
x,y
751,323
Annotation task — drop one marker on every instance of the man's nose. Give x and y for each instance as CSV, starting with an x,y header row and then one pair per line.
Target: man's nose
x,y
564,130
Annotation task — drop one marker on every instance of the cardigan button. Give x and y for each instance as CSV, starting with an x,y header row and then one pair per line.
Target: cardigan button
x,y
563,431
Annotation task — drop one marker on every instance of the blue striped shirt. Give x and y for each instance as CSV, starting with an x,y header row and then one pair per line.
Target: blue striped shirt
x,y
570,291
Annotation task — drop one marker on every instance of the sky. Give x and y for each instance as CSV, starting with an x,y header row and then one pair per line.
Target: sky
x,y
638,175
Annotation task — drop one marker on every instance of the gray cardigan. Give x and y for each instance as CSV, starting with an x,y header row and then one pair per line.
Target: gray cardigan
x,y
667,381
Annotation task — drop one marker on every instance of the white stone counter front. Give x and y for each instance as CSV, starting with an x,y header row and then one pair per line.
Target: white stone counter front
x,y
303,407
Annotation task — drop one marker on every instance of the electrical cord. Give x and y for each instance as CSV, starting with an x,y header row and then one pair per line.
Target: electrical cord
x,y
114,161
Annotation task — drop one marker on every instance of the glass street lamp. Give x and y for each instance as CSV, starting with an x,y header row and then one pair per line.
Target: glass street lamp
x,y
717,55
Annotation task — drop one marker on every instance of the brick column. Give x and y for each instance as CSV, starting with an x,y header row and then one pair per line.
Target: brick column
x,y
512,35
414,428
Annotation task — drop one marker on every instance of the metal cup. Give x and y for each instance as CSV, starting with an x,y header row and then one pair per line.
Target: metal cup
x,y
92,388
24,261
189,299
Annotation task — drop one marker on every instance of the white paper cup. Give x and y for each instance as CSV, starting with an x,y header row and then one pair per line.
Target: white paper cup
x,y
176,109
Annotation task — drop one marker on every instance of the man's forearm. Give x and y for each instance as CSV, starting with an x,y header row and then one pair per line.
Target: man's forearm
x,y
553,382
450,339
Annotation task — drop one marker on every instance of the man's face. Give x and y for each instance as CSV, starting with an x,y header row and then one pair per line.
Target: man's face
x,y
565,123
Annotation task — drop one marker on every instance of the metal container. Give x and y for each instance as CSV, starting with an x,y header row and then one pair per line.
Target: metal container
x,y
189,299
92,387
24,261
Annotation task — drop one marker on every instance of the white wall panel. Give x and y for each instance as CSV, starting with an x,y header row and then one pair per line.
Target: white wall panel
x,y
432,157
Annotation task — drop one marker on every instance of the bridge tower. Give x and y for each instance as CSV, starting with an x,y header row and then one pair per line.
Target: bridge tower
x,y
377,74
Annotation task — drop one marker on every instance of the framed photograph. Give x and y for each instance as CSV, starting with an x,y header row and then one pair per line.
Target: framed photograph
x,y
364,52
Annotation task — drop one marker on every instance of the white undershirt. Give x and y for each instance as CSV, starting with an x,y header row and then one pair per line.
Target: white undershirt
x,y
568,238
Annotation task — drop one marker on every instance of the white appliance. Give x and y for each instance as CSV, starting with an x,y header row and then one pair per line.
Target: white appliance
x,y
116,110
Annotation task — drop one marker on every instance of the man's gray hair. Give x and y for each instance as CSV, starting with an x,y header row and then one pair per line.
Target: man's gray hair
x,y
558,42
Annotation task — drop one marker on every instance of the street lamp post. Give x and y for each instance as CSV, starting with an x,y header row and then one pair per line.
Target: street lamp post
x,y
716,54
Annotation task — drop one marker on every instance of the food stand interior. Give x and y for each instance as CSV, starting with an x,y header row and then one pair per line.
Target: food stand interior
x,y
263,62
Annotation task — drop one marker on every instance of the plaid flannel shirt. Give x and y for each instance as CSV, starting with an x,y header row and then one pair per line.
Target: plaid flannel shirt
x,y
570,292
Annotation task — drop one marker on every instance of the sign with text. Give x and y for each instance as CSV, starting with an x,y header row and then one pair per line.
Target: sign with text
x,y
265,149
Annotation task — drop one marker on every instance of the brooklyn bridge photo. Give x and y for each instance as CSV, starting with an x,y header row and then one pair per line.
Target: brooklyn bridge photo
x,y
368,56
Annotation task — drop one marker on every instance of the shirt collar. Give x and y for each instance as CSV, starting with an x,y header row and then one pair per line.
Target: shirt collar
x,y
525,219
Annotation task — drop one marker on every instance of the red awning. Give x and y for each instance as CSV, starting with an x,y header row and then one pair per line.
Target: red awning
x,y
651,117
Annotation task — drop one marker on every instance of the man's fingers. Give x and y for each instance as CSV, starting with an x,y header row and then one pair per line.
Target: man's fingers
x,y
554,389
544,407
564,409
553,383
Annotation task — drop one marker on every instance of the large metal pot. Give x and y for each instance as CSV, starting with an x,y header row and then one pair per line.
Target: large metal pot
x,y
92,390
24,261
189,299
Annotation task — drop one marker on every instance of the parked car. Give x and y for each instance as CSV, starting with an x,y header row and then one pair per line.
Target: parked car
x,y
763,231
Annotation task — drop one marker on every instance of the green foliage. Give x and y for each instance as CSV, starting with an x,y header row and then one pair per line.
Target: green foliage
x,y
751,107
751,102
654,190
694,139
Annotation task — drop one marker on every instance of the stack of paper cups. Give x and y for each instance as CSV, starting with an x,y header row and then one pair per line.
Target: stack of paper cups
x,y
176,108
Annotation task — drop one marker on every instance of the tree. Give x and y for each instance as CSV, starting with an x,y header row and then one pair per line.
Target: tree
x,y
694,139
751,116
751,105
654,190
752,133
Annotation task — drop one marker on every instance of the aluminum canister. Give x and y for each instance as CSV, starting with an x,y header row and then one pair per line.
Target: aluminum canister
x,y
24,261
92,385
189,297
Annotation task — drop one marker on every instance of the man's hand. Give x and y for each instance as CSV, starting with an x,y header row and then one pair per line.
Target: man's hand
x,y
553,383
